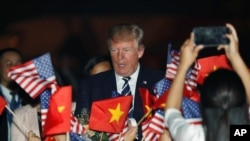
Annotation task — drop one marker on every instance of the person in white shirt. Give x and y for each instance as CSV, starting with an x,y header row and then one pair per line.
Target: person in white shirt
x,y
225,95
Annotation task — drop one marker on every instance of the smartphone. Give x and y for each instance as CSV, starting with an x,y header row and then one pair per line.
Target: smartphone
x,y
211,36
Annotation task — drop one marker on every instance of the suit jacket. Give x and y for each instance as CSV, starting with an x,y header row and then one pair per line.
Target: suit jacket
x,y
4,123
27,115
100,86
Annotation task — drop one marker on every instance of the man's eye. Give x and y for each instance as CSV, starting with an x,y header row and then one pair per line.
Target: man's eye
x,y
127,49
114,50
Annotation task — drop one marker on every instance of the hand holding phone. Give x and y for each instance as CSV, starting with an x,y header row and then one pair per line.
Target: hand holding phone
x,y
211,36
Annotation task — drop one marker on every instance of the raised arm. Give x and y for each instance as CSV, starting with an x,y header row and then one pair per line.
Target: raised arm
x,y
238,64
189,53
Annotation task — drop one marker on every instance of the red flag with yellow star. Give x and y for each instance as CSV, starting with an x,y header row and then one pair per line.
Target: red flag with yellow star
x,y
109,115
58,116
209,64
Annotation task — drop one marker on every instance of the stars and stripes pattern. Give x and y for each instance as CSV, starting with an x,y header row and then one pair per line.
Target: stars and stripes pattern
x,y
76,126
44,99
76,137
154,127
191,111
118,137
173,60
191,77
34,76
161,86
190,108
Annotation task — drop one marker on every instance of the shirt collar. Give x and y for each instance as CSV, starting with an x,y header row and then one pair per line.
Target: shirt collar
x,y
133,76
6,93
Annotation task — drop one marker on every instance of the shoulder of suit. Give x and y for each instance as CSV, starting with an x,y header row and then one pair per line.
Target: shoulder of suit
x,y
24,109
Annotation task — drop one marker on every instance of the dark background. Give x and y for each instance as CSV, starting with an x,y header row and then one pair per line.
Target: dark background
x,y
78,28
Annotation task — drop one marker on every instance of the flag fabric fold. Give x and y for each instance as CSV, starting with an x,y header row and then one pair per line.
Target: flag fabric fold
x,y
153,128
2,104
109,115
59,112
209,64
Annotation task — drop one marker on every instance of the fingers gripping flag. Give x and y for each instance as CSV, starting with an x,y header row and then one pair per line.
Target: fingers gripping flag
x,y
35,75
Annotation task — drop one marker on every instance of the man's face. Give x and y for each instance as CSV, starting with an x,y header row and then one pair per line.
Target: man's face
x,y
9,59
125,56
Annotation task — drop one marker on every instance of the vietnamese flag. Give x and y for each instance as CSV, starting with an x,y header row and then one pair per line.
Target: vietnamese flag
x,y
109,115
209,64
2,104
147,99
59,111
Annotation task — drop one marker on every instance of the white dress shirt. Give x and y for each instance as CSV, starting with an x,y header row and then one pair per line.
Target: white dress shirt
x,y
131,82
180,129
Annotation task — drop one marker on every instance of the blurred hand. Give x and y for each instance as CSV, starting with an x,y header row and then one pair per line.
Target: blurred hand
x,y
60,137
131,134
189,52
165,136
33,137
233,48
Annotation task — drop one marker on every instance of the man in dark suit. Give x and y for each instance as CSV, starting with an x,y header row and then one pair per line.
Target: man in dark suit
x,y
125,42
8,89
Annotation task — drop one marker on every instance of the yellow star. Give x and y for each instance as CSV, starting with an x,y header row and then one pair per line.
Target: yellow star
x,y
60,108
116,113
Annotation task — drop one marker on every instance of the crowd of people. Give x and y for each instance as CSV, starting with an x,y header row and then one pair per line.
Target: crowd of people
x,y
224,93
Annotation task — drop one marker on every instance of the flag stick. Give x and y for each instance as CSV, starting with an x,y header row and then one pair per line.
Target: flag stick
x,y
144,116
101,136
143,138
67,136
18,120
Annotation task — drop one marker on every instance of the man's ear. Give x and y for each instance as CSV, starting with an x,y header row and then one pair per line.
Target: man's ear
x,y
141,49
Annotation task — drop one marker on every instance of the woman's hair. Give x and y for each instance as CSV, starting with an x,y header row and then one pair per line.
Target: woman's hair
x,y
94,61
223,103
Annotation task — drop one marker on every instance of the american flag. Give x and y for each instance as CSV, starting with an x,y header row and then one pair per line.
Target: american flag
x,y
153,128
191,77
34,76
161,86
76,126
173,60
118,137
76,137
191,111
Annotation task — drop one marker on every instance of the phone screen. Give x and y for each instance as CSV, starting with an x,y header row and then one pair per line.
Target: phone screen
x,y
211,36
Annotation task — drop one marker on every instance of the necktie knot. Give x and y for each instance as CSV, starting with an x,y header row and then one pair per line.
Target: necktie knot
x,y
125,87
126,79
